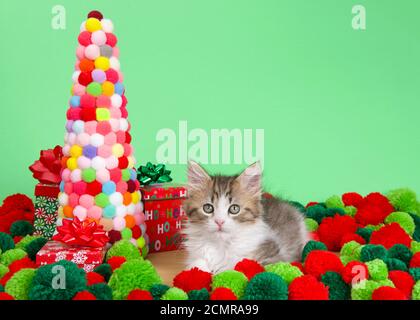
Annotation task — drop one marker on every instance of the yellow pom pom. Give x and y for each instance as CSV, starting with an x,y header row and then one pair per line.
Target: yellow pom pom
x,y
93,24
117,150
72,163
60,212
131,162
102,63
141,242
76,151
135,198
108,88
102,114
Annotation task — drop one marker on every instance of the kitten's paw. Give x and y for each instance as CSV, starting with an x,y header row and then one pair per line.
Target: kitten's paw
x,y
200,264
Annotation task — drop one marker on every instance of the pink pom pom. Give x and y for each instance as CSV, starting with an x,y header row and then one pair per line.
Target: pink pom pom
x,y
90,127
98,38
92,52
105,151
102,175
80,52
68,187
119,223
73,199
111,162
86,201
78,89
80,212
83,139
76,175
65,175
79,187
83,162
95,212
122,187
103,101
110,139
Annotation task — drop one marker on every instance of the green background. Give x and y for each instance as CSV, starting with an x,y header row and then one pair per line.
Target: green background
x,y
340,107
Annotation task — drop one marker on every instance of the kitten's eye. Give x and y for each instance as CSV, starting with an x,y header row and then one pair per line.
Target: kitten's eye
x,y
208,208
234,209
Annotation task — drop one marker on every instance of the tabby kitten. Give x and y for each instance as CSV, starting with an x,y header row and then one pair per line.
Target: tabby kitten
x,y
228,220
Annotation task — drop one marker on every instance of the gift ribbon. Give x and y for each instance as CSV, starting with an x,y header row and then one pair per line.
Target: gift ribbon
x,y
81,233
153,173
48,168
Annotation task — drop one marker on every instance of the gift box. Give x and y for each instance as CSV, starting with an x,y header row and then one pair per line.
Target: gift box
x,y
164,215
85,257
46,207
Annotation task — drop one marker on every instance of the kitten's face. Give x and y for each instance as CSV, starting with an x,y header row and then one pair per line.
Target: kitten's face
x,y
221,204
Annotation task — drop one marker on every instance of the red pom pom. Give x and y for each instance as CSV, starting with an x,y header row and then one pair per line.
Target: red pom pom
x,y
16,239
318,262
114,236
136,231
402,281
122,162
17,265
390,235
84,295
138,294
373,209
223,294
310,204
332,229
249,268
93,278
388,293
415,261
6,278
314,235
111,39
299,265
352,199
95,14
352,237
93,188
6,296
354,270
116,262
87,101
84,38
194,279
85,78
88,114
307,287
15,207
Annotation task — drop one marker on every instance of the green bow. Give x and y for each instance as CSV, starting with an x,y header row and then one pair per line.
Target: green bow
x,y
153,173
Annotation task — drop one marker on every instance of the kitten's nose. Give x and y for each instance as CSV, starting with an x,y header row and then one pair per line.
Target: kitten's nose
x,y
219,222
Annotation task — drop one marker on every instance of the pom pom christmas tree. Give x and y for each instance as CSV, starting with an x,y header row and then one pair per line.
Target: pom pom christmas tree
x,y
98,178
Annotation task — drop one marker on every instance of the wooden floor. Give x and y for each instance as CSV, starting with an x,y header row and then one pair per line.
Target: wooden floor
x,y
168,264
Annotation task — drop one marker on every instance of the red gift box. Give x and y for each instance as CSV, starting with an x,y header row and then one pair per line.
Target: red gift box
x,y
164,215
47,190
85,257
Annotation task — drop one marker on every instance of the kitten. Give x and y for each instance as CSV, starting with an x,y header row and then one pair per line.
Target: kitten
x,y
229,221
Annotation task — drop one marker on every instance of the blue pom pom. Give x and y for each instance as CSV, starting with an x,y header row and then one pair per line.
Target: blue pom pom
x,y
119,88
75,101
109,187
62,186
109,211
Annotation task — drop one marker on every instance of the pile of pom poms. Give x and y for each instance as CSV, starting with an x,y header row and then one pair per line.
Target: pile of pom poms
x,y
362,248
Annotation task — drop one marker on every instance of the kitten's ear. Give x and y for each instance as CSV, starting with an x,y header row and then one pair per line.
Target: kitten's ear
x,y
250,178
197,176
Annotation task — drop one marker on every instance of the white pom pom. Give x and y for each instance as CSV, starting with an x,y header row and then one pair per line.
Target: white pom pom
x,y
75,76
121,211
66,150
130,209
123,124
98,163
115,125
76,175
116,199
83,26
116,100
71,139
96,140
63,199
107,25
114,63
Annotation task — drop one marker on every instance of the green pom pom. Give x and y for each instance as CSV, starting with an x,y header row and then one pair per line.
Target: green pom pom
x,y
416,291
310,246
21,228
352,250
346,259
123,248
201,294
372,251
350,211
3,270
104,270
101,291
231,279
416,219
415,273
34,246
395,264
157,290
401,252
415,247
375,227
6,242
334,202
298,206
266,286
58,281
25,241
331,212
19,284
365,233
403,219
377,269
403,199
126,234
12,255
133,274
338,289
316,212
363,290
285,270
174,294
311,224
1,288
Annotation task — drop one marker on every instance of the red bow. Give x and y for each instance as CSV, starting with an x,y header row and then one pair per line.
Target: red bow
x,y
48,168
81,233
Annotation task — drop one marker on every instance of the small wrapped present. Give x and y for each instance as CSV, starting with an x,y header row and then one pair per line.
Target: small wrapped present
x,y
81,242
47,171
164,215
